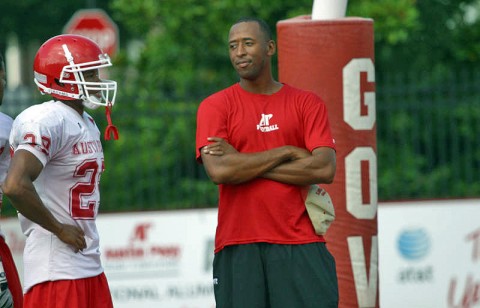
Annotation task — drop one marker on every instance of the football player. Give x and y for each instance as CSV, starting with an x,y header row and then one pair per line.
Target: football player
x,y
54,176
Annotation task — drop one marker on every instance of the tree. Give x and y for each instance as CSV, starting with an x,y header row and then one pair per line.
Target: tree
x,y
430,35
182,57
31,23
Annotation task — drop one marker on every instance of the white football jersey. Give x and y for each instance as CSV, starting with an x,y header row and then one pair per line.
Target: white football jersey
x,y
5,127
68,145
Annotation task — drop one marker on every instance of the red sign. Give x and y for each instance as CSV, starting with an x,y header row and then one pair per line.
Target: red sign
x,y
96,25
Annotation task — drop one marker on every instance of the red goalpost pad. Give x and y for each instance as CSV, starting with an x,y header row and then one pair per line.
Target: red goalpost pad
x,y
335,59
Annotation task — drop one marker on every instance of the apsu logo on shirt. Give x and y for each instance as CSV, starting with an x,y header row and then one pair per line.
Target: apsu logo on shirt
x,y
264,126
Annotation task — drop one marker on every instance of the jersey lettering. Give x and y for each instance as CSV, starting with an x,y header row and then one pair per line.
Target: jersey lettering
x,y
87,147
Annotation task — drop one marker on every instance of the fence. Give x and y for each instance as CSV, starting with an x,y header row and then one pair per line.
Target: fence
x,y
428,136
427,142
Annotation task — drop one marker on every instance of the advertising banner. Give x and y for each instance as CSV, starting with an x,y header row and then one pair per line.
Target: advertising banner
x,y
151,259
429,254
159,259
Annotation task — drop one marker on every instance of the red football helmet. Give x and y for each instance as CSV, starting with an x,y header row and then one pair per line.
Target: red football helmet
x,y
58,70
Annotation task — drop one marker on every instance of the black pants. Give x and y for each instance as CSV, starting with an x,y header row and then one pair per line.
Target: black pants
x,y
265,275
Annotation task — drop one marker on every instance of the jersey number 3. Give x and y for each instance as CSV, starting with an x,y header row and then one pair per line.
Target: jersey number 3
x,y
81,207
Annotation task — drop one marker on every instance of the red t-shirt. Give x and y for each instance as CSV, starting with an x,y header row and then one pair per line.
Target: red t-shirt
x,y
263,210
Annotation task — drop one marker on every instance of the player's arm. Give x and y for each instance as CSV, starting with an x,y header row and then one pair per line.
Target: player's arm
x,y
19,188
317,168
225,165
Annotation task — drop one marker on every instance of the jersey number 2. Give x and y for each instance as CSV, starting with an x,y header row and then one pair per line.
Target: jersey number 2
x,y
90,171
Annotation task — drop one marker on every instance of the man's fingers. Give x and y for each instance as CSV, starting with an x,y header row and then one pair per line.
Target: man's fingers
x,y
74,236
218,139
218,153
80,244
210,149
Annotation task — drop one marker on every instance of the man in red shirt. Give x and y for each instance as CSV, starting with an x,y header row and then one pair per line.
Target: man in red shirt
x,y
263,143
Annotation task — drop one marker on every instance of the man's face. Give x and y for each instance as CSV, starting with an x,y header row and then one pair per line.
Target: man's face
x,y
249,50
3,81
92,76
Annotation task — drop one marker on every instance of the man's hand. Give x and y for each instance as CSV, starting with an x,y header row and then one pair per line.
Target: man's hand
x,y
73,236
218,147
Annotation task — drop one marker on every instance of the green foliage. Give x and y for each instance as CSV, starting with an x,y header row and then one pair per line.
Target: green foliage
x,y
184,58
427,119
185,54
466,23
33,22
394,20
152,165
438,37
427,136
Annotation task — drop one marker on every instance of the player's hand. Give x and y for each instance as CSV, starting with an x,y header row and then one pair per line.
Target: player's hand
x,y
72,235
218,147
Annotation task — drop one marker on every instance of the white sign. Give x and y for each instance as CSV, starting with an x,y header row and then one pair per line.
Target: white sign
x,y
151,259
429,254
159,259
